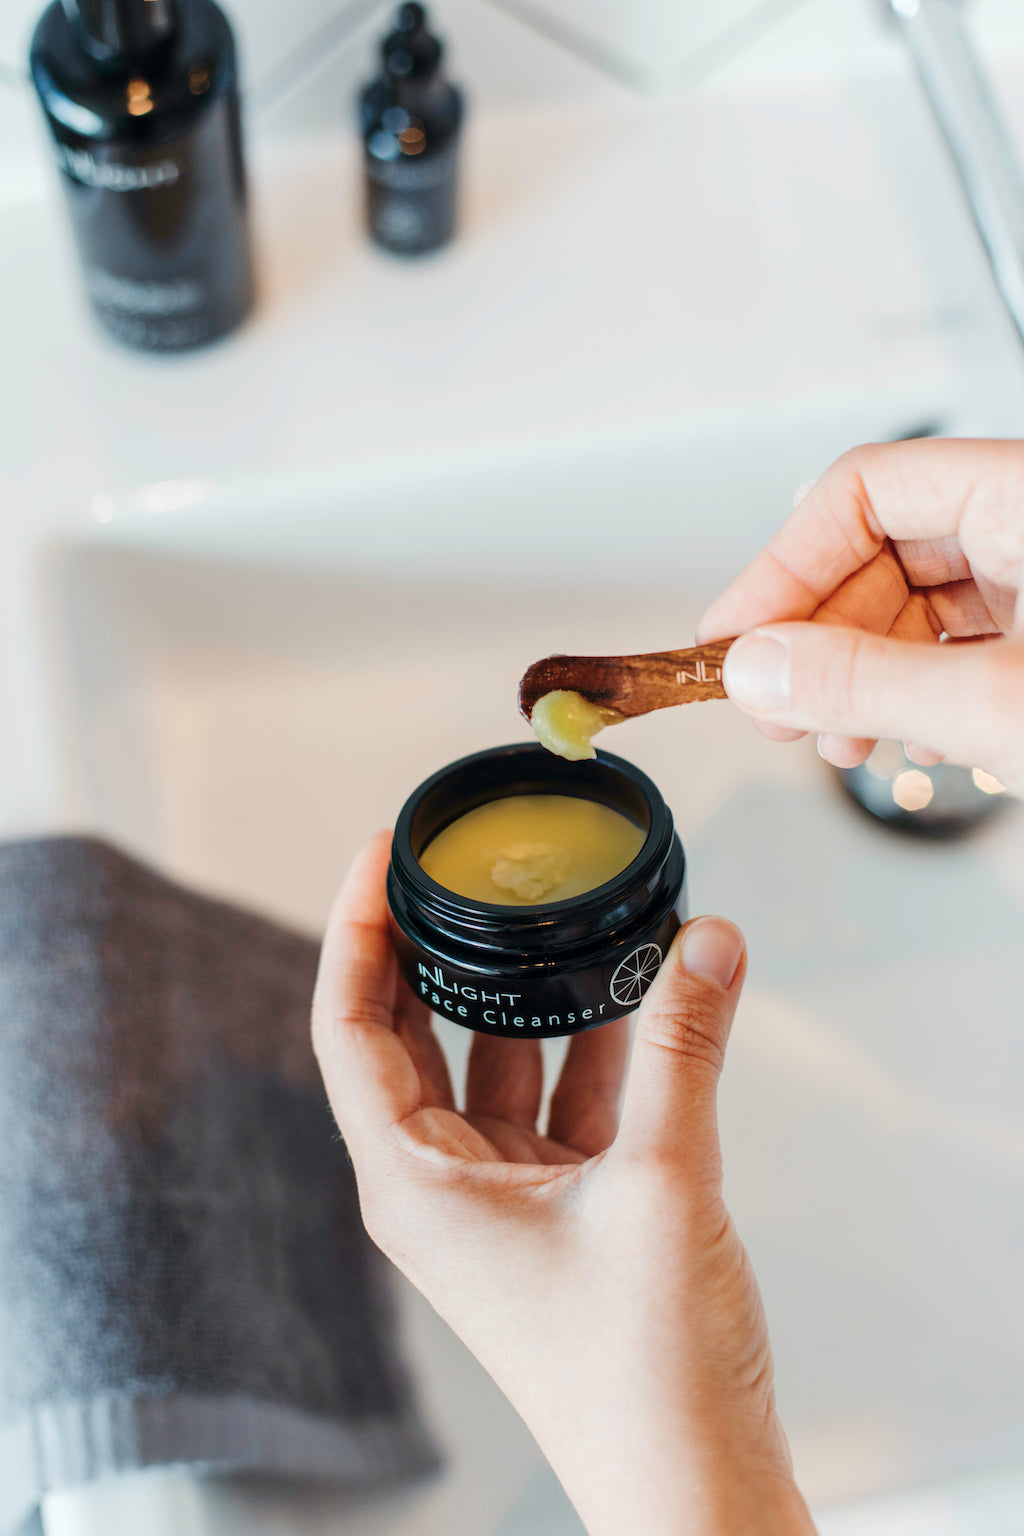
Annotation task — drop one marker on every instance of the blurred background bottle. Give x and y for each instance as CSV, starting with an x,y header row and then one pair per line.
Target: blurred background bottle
x,y
411,120
141,97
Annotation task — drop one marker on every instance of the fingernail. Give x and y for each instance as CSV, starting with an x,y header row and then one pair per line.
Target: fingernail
x,y
712,949
756,672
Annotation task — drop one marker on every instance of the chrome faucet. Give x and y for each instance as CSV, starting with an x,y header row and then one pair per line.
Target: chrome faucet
x,y
965,109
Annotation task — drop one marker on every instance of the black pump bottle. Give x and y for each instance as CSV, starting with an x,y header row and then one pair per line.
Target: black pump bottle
x,y
410,119
141,97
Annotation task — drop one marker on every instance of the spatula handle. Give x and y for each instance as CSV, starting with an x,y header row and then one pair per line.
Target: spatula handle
x,y
664,678
631,685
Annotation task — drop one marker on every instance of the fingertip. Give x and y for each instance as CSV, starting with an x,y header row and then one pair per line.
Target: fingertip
x,y
755,673
708,630
743,683
714,623
711,949
782,733
366,865
379,844
844,751
924,757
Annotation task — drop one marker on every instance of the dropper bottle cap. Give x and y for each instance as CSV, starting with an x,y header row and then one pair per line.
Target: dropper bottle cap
x,y
121,31
411,51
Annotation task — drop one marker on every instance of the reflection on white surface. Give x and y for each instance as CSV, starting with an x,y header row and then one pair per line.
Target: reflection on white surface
x,y
101,505
801,1048
991,1505
912,790
169,495
987,782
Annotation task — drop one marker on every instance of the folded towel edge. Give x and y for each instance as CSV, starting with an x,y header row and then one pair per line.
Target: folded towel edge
x,y
56,1446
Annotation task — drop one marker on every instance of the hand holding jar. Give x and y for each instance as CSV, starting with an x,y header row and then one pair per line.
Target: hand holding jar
x,y
593,1270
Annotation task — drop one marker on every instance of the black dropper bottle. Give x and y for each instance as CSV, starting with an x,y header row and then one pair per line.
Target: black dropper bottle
x,y
411,118
141,97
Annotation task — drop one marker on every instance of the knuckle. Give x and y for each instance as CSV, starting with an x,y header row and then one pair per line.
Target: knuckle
x,y
1005,690
668,1180
894,590
693,1035
846,483
334,1027
841,682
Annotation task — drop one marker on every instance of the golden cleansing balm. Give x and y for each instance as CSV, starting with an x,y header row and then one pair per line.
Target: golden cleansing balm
x,y
532,848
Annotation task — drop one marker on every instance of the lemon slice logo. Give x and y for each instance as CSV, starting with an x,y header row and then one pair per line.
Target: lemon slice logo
x,y
635,974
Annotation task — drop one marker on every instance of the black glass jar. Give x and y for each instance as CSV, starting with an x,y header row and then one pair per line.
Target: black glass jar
x,y
555,968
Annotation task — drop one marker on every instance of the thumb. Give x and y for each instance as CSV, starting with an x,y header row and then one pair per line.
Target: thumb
x,y
965,700
669,1111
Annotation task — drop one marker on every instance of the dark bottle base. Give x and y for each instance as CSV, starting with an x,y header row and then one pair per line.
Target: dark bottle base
x,y
183,335
410,223
406,252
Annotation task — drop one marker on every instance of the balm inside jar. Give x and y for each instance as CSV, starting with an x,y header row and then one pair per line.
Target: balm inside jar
x,y
532,848
534,896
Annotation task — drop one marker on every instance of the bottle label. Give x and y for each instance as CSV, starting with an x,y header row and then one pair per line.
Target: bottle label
x,y
403,223
127,296
168,266
412,174
411,203
157,334
115,175
540,1004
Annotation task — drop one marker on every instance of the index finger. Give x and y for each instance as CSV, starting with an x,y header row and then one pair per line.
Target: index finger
x,y
371,1079
908,491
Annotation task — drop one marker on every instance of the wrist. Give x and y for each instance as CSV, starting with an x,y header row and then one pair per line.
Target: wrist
x,y
771,1505
689,1505
656,1479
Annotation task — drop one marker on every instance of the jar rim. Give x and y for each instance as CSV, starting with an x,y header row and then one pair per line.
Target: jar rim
x,y
531,764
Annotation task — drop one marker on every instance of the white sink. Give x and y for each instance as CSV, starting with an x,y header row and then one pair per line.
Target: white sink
x,y
247,726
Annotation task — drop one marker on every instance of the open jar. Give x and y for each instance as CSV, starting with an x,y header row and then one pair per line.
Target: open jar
x,y
548,967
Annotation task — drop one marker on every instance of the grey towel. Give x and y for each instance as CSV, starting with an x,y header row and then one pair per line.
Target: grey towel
x,y
184,1276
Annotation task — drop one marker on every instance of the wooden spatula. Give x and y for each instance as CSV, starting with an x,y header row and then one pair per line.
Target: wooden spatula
x,y
630,685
